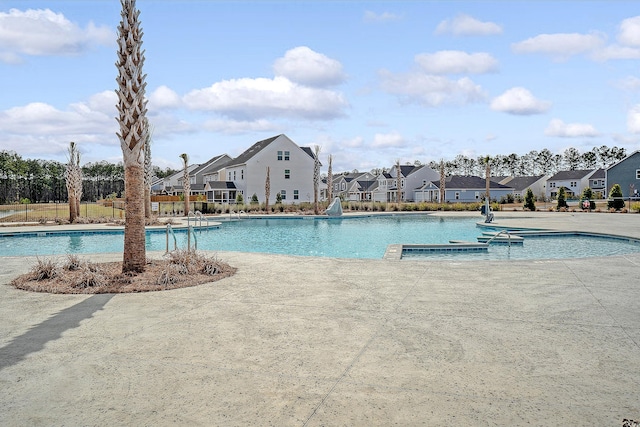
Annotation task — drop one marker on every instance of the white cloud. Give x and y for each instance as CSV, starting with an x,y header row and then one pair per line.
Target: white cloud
x,y
250,99
465,25
305,66
43,32
629,32
355,142
633,119
560,46
615,51
164,97
456,62
570,130
630,83
43,119
430,90
370,16
519,101
41,128
236,127
104,102
388,140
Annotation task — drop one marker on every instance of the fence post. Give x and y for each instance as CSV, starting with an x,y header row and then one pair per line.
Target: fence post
x,y
26,212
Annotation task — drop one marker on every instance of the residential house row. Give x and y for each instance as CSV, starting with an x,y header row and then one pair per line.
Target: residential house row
x,y
290,169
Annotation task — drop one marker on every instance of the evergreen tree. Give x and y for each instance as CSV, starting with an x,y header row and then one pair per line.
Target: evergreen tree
x,y
562,198
529,200
615,198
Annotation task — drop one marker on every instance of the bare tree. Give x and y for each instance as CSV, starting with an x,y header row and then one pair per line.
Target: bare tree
x,y
267,191
132,109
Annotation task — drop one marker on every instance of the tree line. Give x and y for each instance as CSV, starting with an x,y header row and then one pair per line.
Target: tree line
x,y
533,163
42,181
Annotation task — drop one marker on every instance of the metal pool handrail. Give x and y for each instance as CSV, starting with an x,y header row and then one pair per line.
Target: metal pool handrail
x,y
498,234
175,242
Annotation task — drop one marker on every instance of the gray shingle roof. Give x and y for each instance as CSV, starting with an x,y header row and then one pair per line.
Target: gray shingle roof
x,y
576,174
252,151
469,182
521,183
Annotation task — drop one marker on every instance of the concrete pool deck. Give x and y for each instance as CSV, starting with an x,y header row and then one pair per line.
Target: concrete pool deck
x,y
297,341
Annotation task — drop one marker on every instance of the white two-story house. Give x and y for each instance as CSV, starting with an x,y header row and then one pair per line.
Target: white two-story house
x,y
290,173
573,182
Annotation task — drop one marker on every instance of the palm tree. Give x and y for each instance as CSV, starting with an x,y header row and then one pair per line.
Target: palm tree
x,y
73,180
443,181
316,179
132,109
398,183
487,177
267,191
330,180
186,184
148,173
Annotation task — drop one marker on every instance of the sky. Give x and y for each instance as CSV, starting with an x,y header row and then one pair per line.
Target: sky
x,y
369,82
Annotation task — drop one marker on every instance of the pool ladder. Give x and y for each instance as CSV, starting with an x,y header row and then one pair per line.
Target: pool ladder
x,y
190,231
197,216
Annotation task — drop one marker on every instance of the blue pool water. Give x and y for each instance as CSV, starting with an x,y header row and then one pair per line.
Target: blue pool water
x,y
365,237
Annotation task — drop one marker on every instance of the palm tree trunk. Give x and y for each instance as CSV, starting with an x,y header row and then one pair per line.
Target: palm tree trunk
x,y
132,109
134,259
267,191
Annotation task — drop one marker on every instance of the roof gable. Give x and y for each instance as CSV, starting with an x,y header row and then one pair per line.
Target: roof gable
x,y
253,150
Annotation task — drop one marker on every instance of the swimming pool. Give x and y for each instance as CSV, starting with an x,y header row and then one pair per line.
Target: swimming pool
x,y
362,237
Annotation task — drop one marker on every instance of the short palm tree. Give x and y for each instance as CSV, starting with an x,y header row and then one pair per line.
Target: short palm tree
x,y
73,180
316,179
186,184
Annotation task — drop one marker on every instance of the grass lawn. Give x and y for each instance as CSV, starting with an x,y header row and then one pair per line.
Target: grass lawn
x,y
51,211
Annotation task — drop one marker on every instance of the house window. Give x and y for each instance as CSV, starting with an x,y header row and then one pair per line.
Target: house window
x,y
286,155
242,174
552,185
402,183
228,176
344,186
287,174
335,186
295,194
283,194
574,184
477,194
279,155
457,195
637,173
234,175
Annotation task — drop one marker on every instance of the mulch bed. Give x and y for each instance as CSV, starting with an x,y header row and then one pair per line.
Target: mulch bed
x,y
81,277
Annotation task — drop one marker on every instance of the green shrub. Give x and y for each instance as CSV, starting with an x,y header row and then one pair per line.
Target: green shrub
x,y
615,201
635,206
254,199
